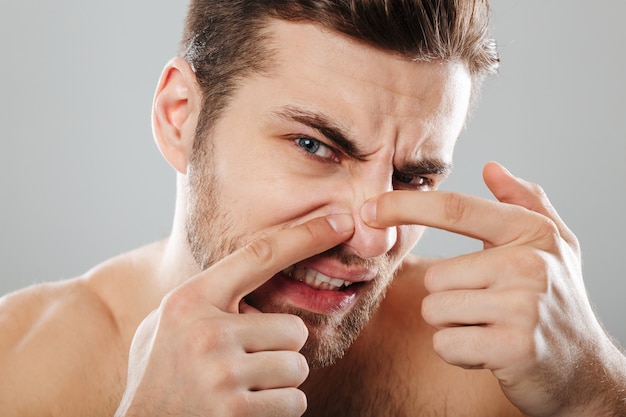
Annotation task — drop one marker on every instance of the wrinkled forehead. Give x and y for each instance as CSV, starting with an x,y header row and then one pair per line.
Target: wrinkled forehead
x,y
374,95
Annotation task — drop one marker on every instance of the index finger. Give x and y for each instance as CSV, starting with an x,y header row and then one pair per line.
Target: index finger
x,y
249,267
479,218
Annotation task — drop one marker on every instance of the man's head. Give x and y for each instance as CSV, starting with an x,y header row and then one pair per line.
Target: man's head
x,y
285,112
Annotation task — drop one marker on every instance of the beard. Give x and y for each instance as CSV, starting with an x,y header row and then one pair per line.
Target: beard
x,y
211,236
330,335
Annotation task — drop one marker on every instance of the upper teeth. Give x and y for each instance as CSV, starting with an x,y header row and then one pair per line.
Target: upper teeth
x,y
315,279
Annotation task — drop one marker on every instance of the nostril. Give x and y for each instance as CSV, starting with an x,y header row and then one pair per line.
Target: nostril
x,y
369,242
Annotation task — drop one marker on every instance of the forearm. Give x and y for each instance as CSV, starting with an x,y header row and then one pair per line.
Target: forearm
x,y
613,384
601,388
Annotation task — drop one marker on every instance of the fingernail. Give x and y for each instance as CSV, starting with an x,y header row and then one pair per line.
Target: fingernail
x,y
368,212
341,223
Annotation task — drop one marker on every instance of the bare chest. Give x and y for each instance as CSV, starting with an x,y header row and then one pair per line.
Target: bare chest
x,y
379,385
373,383
394,372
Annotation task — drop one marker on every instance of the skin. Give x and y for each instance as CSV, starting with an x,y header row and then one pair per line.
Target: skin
x,y
485,334
519,307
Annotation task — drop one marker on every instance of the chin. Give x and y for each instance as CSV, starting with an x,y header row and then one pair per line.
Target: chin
x,y
330,334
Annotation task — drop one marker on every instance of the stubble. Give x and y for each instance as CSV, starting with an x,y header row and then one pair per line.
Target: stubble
x,y
211,236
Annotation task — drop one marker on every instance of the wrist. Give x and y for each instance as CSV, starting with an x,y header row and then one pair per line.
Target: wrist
x,y
600,386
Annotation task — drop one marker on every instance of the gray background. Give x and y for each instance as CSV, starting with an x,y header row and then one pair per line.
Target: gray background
x,y
81,179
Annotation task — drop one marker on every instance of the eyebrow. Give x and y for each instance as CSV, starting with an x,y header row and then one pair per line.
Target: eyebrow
x,y
430,166
332,131
339,137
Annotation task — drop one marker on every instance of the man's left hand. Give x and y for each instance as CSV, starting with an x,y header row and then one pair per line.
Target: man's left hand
x,y
519,307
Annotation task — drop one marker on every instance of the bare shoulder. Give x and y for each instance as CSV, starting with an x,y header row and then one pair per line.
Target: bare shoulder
x,y
58,340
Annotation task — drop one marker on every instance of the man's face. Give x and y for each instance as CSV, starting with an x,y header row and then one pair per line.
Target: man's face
x,y
333,124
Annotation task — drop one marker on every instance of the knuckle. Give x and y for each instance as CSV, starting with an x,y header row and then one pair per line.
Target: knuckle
x,y
546,230
316,231
537,197
259,252
441,343
291,402
534,267
525,305
525,347
431,281
176,304
210,335
573,243
455,206
297,402
297,367
429,309
241,405
226,376
302,367
215,332
537,190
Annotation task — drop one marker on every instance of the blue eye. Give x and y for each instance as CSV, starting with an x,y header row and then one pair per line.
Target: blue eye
x,y
316,148
309,145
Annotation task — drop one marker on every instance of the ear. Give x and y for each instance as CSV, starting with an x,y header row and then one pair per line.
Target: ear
x,y
175,111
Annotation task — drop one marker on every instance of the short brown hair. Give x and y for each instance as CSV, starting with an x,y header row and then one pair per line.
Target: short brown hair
x,y
223,40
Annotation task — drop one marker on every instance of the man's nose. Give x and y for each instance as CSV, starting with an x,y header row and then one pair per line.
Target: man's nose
x,y
368,242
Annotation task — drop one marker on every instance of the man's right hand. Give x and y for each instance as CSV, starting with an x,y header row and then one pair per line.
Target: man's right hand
x,y
196,355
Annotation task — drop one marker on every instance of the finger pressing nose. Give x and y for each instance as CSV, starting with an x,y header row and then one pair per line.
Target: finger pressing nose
x,y
370,242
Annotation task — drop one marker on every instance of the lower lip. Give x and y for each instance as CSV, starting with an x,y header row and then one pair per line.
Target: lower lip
x,y
300,295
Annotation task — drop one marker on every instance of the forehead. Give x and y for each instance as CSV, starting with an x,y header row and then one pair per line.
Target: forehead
x,y
382,99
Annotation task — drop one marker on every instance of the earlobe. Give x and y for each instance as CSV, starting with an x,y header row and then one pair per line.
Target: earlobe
x,y
175,112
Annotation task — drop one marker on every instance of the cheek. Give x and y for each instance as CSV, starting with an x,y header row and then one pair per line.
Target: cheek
x,y
270,187
269,198
408,236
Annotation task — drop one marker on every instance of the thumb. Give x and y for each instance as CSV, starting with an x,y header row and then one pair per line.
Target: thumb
x,y
513,190
510,189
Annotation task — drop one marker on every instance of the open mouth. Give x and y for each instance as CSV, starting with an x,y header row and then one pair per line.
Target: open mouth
x,y
315,279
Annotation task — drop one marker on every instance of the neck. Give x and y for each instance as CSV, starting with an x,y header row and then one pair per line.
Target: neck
x,y
177,263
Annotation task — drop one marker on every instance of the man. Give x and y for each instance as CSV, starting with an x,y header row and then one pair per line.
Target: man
x,y
309,139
